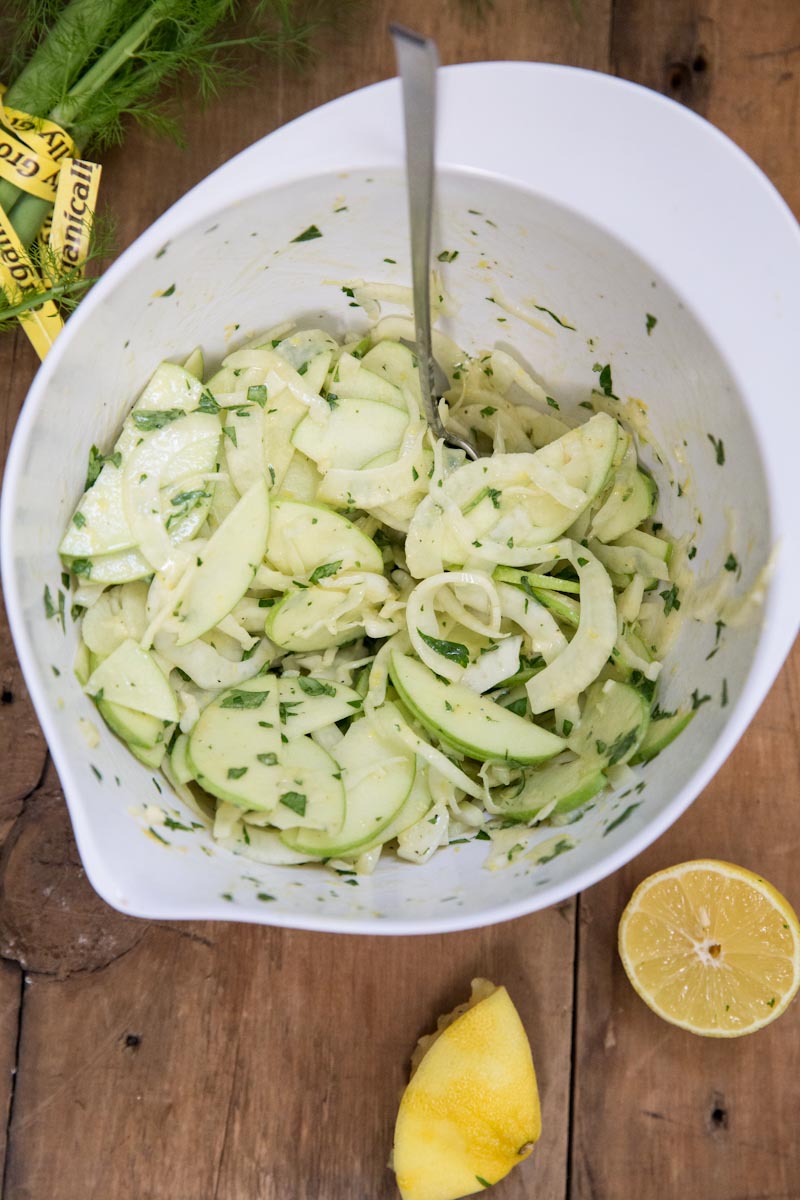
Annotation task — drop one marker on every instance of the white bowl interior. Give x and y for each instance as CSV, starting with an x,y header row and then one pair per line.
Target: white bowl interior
x,y
240,273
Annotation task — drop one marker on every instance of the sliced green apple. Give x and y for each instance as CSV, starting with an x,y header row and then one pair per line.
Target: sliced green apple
x,y
131,677
466,721
229,562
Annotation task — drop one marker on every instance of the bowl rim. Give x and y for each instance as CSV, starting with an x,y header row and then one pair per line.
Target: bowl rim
x,y
363,130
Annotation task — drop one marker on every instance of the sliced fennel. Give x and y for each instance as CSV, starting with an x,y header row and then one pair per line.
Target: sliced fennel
x,y
334,632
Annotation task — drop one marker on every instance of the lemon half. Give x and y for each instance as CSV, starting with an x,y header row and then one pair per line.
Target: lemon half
x,y
471,1110
711,947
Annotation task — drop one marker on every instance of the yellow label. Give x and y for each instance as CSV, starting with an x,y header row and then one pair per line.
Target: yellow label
x,y
43,247
18,277
73,212
35,173
37,132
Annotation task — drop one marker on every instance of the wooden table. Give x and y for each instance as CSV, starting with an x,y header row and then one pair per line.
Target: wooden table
x,y
222,1062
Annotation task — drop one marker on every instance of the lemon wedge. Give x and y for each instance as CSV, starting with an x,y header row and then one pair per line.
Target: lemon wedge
x,y
471,1110
711,947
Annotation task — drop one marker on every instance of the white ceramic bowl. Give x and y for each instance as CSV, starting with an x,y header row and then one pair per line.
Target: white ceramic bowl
x,y
604,202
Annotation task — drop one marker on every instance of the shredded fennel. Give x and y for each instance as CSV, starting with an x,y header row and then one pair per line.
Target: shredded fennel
x,y
532,587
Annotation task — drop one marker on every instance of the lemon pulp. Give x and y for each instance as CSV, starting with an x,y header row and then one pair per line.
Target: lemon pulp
x,y
711,947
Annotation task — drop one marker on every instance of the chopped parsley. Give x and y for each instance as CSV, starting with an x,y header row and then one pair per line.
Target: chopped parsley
x,y
96,463
268,759
315,687
236,772
561,846
171,823
257,394
157,418
447,256
454,651
697,699
207,403
670,598
192,497
308,235
605,380
622,746
324,571
550,313
296,801
487,493
731,563
650,322
230,432
719,448
623,816
49,608
239,699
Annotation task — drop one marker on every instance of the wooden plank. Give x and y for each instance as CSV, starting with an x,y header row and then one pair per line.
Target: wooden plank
x,y
10,1005
668,1113
733,62
230,1061
224,1061
22,747
658,1112
143,177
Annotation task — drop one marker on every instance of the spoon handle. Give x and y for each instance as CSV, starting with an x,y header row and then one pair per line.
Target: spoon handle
x,y
417,60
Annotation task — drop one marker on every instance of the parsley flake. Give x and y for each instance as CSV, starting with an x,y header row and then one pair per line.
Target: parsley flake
x,y
324,571
454,651
296,801
308,235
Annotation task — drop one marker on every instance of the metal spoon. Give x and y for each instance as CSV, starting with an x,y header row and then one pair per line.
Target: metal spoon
x,y
417,60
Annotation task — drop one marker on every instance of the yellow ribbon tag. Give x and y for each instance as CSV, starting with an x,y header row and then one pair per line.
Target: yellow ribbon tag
x,y
43,161
35,173
18,277
76,197
53,142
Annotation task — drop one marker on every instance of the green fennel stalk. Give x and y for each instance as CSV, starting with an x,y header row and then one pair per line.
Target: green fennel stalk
x,y
90,64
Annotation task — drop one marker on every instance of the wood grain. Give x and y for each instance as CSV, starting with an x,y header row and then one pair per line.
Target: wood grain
x,y
10,1006
232,1061
704,1118
165,1075
734,62
22,747
652,1103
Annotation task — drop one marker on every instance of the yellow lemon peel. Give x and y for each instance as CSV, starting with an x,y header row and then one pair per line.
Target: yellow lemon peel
x,y
471,1110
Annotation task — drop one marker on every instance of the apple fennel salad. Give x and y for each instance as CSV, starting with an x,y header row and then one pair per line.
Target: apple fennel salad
x,y
335,634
